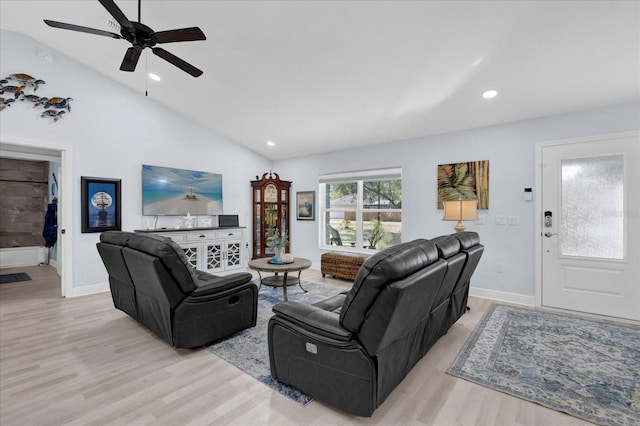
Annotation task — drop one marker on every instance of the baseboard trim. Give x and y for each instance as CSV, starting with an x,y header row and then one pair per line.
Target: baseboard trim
x,y
89,289
502,296
484,293
17,257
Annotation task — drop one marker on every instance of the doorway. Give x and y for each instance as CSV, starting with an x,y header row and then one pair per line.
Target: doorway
x,y
588,227
34,150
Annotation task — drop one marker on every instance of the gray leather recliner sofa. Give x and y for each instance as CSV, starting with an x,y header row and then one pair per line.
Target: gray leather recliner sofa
x,y
350,351
152,281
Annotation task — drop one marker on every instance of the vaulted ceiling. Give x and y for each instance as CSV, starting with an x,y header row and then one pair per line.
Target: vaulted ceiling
x,y
317,76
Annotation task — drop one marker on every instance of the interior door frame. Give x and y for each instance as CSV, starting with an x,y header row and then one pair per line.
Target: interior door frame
x,y
539,172
31,148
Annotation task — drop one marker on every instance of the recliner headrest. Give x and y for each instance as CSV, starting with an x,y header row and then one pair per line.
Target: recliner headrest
x,y
468,239
447,245
115,237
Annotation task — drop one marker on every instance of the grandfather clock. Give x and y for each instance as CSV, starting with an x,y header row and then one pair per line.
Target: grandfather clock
x,y
270,211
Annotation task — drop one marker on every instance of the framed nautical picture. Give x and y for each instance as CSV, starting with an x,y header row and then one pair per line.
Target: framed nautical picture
x,y
100,201
306,205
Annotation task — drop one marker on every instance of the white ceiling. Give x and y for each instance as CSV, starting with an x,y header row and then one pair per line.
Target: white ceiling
x,y
318,76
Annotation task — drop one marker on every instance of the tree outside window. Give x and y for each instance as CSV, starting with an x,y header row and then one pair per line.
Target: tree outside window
x,y
362,214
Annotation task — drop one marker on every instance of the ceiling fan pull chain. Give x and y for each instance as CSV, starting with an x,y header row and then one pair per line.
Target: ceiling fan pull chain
x,y
146,72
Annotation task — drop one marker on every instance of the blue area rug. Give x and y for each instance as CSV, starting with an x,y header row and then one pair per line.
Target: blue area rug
x,y
248,349
12,278
588,369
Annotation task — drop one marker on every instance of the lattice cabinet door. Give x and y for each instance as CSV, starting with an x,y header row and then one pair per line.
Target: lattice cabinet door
x,y
233,254
192,251
214,256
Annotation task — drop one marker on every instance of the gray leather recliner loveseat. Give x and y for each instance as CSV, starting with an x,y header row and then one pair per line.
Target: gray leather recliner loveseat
x,y
152,281
350,351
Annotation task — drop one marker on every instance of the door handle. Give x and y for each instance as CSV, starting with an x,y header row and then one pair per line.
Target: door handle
x,y
549,234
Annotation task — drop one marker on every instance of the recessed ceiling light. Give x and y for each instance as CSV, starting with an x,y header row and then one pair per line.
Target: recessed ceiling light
x,y
154,77
490,94
271,143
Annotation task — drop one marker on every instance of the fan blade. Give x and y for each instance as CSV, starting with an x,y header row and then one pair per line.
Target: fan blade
x,y
130,59
72,27
182,34
116,13
170,57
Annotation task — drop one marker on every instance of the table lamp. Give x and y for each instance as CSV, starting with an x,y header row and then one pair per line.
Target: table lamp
x,y
459,210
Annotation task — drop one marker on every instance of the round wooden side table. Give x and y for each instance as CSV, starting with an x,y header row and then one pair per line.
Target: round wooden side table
x,y
262,265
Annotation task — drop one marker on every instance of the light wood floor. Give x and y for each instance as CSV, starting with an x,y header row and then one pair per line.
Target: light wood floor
x,y
80,361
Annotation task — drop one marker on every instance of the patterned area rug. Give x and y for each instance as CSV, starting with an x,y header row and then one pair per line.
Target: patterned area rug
x,y
248,349
588,369
12,278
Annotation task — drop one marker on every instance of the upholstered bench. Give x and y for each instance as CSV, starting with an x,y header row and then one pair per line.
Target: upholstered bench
x,y
341,265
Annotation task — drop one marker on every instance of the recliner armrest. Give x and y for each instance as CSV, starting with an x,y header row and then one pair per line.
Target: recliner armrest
x,y
209,284
314,319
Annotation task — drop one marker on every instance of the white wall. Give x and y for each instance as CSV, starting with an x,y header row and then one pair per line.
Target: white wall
x,y
112,131
510,149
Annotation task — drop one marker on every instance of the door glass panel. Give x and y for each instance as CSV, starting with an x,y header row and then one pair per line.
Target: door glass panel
x,y
591,219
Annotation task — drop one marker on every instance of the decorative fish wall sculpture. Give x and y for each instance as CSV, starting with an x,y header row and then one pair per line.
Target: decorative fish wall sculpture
x,y
22,87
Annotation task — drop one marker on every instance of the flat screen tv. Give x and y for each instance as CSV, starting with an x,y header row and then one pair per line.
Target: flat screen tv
x,y
168,191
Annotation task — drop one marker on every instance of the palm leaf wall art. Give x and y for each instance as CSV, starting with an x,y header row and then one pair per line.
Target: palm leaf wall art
x,y
464,181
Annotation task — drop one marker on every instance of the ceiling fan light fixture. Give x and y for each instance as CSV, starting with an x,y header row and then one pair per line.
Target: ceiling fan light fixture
x,y
154,77
490,94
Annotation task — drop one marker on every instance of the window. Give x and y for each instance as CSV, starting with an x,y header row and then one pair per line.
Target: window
x,y
361,210
592,197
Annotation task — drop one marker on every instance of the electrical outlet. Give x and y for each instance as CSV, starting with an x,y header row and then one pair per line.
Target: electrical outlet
x,y
514,220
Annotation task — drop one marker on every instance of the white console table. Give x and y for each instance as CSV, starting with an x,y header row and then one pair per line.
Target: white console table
x,y
208,249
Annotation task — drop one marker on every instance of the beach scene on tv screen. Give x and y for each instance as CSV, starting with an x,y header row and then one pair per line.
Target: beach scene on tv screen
x,y
168,191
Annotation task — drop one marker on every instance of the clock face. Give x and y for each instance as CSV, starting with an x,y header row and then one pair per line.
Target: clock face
x,y
270,193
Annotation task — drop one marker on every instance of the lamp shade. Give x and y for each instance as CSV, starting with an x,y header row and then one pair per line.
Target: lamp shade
x,y
460,210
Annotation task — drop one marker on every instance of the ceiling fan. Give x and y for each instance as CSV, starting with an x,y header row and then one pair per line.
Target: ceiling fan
x,y
141,37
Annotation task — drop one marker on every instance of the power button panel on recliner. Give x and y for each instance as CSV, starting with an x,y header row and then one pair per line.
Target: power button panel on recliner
x,y
311,348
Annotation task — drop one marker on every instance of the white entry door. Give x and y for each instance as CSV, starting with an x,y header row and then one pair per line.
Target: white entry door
x,y
591,226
